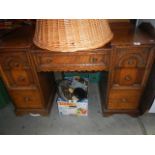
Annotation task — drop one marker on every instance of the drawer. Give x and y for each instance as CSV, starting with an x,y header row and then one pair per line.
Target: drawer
x,y
16,69
124,99
132,57
26,98
72,61
128,77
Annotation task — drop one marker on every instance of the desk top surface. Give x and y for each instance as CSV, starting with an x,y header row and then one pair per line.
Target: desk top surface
x,y
124,34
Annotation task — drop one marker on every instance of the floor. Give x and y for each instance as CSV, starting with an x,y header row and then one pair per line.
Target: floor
x,y
94,124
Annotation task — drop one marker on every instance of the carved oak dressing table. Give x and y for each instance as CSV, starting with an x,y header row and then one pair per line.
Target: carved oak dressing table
x,y
28,71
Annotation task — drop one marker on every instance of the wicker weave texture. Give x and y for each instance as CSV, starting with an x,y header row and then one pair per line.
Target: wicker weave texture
x,y
66,35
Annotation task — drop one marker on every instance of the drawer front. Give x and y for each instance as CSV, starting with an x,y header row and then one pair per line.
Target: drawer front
x,y
72,61
132,57
26,98
128,77
16,70
124,99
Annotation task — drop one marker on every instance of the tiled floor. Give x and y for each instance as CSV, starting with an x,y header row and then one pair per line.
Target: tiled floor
x,y
93,124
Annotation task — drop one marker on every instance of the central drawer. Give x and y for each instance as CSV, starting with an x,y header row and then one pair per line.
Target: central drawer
x,y
75,61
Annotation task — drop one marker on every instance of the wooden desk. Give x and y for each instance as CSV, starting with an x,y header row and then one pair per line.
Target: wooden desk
x,y
28,71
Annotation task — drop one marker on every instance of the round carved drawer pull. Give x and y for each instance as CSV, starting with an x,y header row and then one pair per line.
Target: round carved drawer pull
x,y
21,78
27,98
124,100
49,60
127,78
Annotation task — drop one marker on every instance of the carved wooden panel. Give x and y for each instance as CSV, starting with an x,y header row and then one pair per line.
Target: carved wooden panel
x,y
16,70
128,77
132,57
130,66
72,62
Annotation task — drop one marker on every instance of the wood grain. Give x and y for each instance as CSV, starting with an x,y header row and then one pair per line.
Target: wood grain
x,y
28,70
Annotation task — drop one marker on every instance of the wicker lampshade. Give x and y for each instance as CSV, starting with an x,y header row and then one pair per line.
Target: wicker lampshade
x,y
67,35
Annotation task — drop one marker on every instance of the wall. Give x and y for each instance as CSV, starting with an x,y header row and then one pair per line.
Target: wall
x,y
152,109
152,21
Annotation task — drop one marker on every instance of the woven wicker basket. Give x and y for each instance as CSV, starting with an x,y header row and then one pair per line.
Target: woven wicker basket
x,y
67,35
